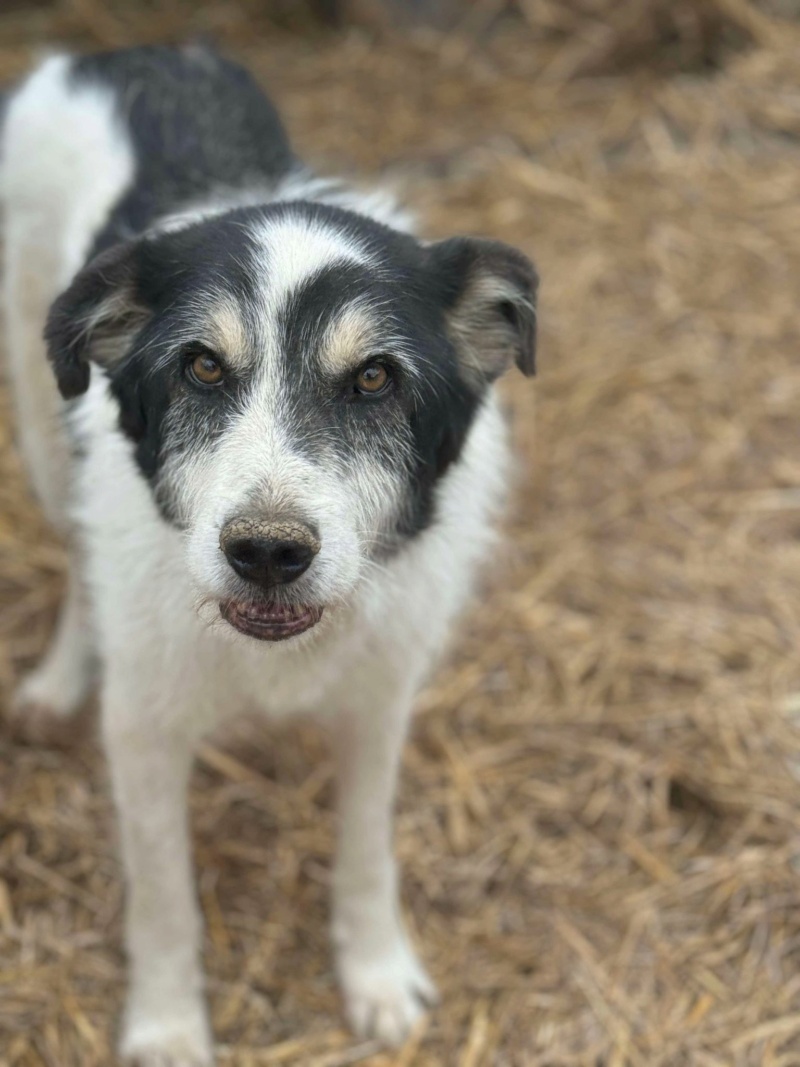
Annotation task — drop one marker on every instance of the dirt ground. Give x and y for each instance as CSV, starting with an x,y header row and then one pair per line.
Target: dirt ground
x,y
599,824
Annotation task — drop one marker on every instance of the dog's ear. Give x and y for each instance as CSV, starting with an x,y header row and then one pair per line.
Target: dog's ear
x,y
489,291
93,319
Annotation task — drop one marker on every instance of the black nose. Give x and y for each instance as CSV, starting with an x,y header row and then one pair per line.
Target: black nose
x,y
268,561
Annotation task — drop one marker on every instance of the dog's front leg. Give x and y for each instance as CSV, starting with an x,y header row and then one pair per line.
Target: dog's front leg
x,y
385,987
150,758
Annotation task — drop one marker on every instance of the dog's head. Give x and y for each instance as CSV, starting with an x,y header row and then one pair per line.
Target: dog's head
x,y
295,380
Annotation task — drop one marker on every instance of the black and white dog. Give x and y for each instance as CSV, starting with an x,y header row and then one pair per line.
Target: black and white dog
x,y
278,467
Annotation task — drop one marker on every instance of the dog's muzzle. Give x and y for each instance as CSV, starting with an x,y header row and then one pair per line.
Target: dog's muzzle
x,y
269,554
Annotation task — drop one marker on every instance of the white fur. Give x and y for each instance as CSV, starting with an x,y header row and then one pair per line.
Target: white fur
x,y
300,184
168,676
293,250
65,164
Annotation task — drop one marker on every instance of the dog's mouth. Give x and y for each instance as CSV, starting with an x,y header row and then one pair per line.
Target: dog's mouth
x,y
269,622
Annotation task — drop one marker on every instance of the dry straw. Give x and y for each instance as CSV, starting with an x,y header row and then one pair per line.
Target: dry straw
x,y
598,822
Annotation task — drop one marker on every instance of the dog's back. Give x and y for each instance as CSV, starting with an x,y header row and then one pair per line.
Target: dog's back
x,y
198,126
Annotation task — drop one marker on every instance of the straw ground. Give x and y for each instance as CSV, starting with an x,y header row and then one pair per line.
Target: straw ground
x,y
599,823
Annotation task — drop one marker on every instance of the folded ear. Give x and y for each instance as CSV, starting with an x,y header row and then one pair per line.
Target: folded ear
x,y
93,319
489,290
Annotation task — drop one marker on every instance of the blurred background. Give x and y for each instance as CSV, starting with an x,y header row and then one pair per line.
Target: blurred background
x,y
599,820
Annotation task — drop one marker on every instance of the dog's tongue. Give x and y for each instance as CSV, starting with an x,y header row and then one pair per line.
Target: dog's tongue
x,y
269,622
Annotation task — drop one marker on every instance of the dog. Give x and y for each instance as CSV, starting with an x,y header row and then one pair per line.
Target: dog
x,y
263,414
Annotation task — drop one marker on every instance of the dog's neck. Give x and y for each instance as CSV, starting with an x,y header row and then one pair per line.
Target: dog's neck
x,y
299,184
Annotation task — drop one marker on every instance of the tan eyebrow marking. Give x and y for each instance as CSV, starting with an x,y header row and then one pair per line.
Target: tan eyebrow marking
x,y
347,340
227,331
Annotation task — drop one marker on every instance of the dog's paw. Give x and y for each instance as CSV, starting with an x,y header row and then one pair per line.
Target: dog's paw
x,y
385,996
164,1058
169,1042
35,723
45,712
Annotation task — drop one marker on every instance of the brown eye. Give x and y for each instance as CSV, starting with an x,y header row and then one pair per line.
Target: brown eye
x,y
205,369
372,379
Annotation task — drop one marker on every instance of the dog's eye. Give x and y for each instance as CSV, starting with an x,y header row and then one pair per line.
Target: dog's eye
x,y
205,369
372,379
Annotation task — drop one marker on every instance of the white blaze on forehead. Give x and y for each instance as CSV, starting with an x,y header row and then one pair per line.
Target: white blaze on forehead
x,y
295,249
291,250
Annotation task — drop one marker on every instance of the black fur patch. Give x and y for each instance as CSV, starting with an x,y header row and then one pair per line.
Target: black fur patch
x,y
198,124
